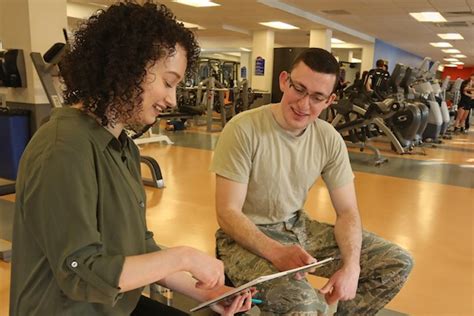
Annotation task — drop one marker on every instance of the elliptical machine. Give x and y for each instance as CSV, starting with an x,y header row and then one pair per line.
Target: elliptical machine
x,y
359,117
409,118
406,83
424,91
439,94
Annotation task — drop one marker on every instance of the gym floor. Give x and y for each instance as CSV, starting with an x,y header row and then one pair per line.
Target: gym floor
x,y
424,203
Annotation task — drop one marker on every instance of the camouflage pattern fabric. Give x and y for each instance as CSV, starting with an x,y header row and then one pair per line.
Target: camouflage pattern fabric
x,y
384,269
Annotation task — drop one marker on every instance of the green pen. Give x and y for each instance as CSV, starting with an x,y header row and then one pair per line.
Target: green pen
x,y
256,301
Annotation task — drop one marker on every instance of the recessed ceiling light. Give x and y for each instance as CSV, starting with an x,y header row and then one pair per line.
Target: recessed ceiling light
x,y
459,56
198,3
336,41
451,36
451,59
451,51
428,16
441,44
279,25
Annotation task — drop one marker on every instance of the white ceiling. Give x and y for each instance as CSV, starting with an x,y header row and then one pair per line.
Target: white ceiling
x,y
354,21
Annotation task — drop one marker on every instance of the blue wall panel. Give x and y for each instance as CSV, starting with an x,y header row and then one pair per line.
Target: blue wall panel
x,y
394,55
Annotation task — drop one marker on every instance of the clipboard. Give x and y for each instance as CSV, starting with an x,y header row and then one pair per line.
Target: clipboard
x,y
259,280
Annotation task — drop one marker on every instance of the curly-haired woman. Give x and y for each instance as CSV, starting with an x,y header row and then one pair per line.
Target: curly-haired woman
x,y
81,244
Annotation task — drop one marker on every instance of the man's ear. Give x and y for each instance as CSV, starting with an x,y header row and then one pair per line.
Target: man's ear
x,y
330,100
283,78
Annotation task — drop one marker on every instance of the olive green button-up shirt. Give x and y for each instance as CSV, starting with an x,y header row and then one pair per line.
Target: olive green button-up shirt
x,y
80,210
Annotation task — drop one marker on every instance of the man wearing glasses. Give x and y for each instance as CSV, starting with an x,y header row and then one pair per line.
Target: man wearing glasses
x,y
266,161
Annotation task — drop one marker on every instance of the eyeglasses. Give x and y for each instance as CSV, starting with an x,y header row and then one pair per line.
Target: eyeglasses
x,y
301,91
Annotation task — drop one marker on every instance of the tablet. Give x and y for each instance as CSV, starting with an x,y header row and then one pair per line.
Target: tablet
x,y
259,280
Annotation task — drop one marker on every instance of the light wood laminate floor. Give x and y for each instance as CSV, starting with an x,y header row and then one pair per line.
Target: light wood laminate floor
x,y
430,214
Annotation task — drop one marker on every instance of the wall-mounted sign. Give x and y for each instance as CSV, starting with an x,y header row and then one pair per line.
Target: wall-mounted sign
x,y
243,72
259,66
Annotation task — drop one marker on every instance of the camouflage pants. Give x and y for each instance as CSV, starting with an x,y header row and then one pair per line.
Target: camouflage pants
x,y
384,269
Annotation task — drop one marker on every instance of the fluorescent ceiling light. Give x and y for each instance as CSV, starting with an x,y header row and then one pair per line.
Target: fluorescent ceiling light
x,y
451,51
279,25
356,60
336,41
428,16
233,54
245,49
198,3
457,63
441,44
451,36
450,65
191,25
451,59
459,56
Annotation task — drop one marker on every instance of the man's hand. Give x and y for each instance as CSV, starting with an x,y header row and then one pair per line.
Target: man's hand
x,y
342,285
289,257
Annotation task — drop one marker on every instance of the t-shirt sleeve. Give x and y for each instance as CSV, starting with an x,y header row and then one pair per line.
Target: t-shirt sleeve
x,y
233,155
337,172
59,208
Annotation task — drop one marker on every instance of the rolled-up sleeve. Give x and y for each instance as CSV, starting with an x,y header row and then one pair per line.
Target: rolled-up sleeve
x,y
60,209
151,245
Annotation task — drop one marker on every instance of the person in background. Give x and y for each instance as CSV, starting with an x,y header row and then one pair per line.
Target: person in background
x,y
341,83
266,161
81,245
466,103
377,80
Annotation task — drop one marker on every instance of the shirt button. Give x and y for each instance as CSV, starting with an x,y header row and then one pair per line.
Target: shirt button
x,y
142,204
74,264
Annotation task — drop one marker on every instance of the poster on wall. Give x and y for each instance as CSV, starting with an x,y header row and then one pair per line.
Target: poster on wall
x,y
243,72
259,66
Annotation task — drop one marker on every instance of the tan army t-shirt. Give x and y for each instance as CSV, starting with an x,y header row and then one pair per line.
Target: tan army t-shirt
x,y
279,168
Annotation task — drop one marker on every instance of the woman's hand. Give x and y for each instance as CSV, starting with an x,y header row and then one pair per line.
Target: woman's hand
x,y
240,303
207,270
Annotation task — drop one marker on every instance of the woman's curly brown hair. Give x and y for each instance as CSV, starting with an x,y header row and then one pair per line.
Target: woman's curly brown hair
x,y
108,60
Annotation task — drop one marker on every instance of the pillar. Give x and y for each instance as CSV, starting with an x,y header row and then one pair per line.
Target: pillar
x,y
321,39
263,43
245,62
367,57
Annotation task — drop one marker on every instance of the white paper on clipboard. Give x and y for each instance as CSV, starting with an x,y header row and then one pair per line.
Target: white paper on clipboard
x,y
258,281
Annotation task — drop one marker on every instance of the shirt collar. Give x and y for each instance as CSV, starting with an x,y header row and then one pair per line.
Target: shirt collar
x,y
99,134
